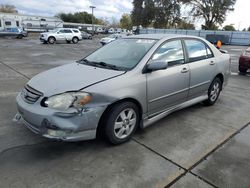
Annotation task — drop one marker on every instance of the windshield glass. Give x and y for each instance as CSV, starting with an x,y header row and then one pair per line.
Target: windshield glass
x,y
122,53
112,36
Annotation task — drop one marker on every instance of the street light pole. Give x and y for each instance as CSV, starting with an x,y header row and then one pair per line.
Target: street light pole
x,y
92,7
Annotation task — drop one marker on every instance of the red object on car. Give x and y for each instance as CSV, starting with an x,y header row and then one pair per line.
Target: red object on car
x,y
244,61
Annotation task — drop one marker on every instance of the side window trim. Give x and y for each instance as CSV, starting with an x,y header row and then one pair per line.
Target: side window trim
x,y
197,58
171,40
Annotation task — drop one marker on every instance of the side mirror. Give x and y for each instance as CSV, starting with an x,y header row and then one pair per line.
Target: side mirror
x,y
57,32
154,65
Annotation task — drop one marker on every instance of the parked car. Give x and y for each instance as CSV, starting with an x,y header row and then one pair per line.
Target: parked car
x,y
61,34
129,83
110,38
111,30
86,35
244,61
13,32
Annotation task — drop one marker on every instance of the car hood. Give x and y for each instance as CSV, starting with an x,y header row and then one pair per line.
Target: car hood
x,y
71,77
106,39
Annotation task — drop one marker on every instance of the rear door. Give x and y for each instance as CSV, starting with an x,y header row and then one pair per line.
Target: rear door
x,y
68,34
202,67
169,87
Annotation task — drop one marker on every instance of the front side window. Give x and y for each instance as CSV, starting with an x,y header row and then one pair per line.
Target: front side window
x,y
170,52
76,31
122,53
196,50
61,31
0,23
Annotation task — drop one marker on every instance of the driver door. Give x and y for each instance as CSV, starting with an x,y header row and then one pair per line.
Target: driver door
x,y
169,87
60,35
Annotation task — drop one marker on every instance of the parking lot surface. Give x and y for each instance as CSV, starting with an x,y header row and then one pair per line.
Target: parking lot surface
x,y
195,147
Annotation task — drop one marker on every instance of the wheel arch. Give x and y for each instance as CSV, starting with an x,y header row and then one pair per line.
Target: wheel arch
x,y
221,77
109,107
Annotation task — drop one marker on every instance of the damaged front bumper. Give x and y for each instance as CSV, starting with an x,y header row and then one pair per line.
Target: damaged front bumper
x,y
66,126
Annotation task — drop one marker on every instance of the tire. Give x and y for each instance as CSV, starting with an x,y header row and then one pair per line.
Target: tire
x,y
75,40
242,70
121,122
51,40
68,42
19,36
213,92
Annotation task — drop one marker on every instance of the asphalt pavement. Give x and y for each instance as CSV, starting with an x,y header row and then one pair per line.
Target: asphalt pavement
x,y
195,147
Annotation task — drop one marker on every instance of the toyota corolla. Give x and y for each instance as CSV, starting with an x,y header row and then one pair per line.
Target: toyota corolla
x,y
127,84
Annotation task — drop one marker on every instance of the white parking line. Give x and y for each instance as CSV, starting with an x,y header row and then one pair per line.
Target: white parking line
x,y
6,94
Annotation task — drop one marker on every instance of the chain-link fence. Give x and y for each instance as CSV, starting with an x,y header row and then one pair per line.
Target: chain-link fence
x,y
227,37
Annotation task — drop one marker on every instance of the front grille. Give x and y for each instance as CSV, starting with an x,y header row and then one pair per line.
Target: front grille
x,y
30,95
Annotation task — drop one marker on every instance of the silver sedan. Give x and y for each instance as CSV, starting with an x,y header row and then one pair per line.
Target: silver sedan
x,y
129,83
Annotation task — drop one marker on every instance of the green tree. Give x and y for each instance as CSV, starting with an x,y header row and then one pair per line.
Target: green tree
x,y
229,28
183,24
8,8
78,17
167,13
212,11
125,21
143,12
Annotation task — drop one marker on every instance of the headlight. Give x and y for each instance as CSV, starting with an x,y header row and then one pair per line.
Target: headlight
x,y
66,100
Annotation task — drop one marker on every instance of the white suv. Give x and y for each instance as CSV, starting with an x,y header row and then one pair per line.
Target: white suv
x,y
61,34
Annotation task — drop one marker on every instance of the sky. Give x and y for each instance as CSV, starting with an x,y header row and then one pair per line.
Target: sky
x,y
112,8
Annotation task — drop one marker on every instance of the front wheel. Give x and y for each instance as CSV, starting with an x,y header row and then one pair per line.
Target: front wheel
x,y
213,92
121,123
19,36
75,40
51,40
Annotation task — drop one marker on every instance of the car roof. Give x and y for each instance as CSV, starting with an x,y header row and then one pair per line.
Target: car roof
x,y
160,36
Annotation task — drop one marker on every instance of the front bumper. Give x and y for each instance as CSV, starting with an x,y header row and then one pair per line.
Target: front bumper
x,y
67,126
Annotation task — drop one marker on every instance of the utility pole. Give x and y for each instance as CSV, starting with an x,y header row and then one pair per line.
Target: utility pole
x,y
92,7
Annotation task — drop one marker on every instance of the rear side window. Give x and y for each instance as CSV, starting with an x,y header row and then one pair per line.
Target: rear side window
x,y
76,31
197,50
171,52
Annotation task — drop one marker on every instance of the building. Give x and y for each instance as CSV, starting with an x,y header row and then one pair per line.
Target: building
x,y
29,22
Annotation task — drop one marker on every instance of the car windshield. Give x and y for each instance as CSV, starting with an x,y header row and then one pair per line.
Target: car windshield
x,y
112,36
122,54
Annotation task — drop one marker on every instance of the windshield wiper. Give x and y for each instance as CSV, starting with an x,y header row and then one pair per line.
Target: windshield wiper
x,y
103,64
99,64
85,61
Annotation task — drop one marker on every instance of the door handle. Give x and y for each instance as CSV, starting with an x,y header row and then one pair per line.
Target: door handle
x,y
184,70
212,63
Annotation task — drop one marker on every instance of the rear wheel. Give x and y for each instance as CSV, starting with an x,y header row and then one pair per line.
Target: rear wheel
x,y
121,122
213,92
242,70
75,40
51,40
